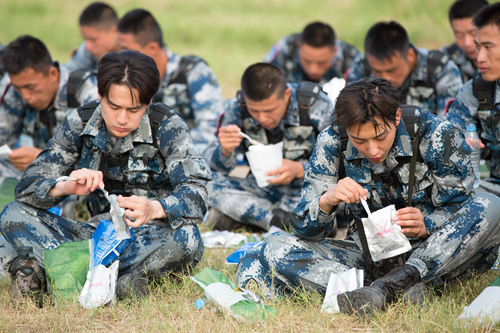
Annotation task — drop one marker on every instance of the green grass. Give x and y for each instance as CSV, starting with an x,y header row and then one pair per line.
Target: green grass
x,y
231,35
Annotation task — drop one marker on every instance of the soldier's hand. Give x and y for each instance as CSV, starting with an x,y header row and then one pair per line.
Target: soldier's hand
x,y
287,173
229,139
140,210
411,221
346,190
86,182
22,157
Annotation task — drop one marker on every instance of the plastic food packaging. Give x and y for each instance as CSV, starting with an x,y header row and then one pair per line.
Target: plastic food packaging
x,y
106,246
339,283
485,308
100,287
384,237
240,303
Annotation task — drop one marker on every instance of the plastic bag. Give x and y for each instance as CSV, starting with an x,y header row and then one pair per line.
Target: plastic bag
x,y
235,257
106,246
241,304
384,237
100,287
340,283
67,265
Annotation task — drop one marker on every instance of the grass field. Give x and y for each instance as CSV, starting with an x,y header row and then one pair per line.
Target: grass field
x,y
230,35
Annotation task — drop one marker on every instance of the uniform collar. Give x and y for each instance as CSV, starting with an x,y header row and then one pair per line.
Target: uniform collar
x,y
96,128
61,100
171,66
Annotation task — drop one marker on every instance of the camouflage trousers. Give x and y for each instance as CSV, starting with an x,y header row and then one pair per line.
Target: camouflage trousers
x,y
157,249
467,242
245,202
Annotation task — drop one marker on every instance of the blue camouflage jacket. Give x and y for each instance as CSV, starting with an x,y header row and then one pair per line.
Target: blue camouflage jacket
x,y
17,117
444,176
285,55
464,110
298,141
464,64
196,96
417,90
82,59
172,173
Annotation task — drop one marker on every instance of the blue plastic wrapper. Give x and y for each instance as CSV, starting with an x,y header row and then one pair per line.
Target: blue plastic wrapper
x,y
106,247
235,257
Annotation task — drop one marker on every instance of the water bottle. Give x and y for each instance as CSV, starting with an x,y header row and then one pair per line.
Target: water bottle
x,y
473,140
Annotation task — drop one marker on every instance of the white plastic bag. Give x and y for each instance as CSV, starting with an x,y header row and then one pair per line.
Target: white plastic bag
x,y
339,283
384,237
99,289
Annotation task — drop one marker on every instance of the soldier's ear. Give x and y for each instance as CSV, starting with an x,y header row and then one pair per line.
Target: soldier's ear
x,y
398,116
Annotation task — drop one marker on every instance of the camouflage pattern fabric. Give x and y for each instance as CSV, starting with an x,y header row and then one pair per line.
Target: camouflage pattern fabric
x,y
464,110
464,64
242,199
463,229
82,59
285,55
446,82
198,100
174,174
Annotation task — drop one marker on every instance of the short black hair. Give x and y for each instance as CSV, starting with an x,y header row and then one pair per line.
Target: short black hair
x,y
140,23
465,8
367,100
98,14
26,52
262,80
318,34
132,69
386,39
488,15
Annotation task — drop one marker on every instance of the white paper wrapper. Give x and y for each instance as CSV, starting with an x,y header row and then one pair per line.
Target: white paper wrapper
x,y
99,289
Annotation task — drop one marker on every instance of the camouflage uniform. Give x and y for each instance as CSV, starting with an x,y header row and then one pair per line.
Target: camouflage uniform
x,y
191,88
464,110
285,55
463,229
18,119
242,199
82,59
174,174
464,64
431,91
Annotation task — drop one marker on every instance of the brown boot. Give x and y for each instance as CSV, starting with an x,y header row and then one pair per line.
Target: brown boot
x,y
220,221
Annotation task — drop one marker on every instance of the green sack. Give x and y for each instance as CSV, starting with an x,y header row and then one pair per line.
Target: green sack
x,y
66,267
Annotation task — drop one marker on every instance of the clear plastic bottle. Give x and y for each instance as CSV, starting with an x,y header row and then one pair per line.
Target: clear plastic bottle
x,y
474,142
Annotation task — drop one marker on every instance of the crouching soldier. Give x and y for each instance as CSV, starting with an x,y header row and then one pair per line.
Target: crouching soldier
x,y
452,231
140,151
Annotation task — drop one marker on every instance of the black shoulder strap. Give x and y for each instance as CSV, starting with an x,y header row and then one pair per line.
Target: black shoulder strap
x,y
435,60
306,94
157,113
412,118
75,81
484,91
185,65
85,111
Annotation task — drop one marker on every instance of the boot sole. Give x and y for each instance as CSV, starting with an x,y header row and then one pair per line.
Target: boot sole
x,y
363,301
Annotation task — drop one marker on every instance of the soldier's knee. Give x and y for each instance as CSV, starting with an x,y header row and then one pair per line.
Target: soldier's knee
x,y
491,204
11,213
276,247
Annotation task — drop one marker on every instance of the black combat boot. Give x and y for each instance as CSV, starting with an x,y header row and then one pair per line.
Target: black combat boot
x,y
220,221
381,292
